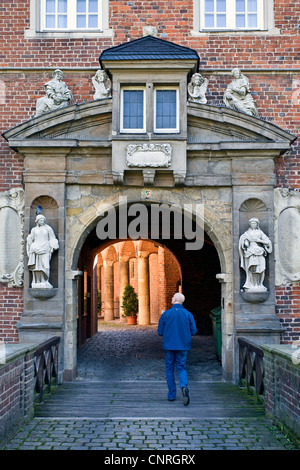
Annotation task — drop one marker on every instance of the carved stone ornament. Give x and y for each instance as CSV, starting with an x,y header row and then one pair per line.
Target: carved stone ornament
x,y
286,235
57,95
149,155
254,246
197,89
41,242
102,85
12,237
237,95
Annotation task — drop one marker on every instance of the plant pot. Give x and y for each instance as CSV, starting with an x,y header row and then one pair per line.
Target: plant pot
x,y
131,320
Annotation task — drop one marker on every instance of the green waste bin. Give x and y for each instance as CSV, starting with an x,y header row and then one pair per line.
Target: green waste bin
x,y
215,315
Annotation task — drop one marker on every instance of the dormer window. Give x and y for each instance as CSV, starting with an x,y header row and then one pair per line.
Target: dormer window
x,y
133,110
132,113
166,110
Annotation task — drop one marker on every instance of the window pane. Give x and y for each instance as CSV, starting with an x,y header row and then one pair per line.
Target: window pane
x,y
62,21
133,109
252,5
209,5
209,21
221,21
81,6
50,6
252,21
240,21
50,21
221,5
93,6
81,21
93,21
62,6
166,109
240,5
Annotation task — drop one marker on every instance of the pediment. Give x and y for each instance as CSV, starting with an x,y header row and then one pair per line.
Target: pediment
x,y
86,122
91,123
211,124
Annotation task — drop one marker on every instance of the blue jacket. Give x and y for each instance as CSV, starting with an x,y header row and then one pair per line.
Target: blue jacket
x,y
176,326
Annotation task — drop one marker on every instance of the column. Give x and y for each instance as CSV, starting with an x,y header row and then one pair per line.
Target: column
x,y
123,280
143,288
108,290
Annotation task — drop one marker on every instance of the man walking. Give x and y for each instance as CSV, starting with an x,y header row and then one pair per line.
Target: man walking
x,y
176,326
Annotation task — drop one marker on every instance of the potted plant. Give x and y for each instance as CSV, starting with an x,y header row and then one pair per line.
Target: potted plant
x,y
130,305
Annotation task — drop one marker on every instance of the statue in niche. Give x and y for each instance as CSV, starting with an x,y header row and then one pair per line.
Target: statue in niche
x,y
102,85
41,242
237,95
197,88
254,246
57,96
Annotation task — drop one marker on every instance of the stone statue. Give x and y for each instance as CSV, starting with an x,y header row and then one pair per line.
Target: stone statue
x,y
57,95
254,246
197,88
102,85
237,95
41,242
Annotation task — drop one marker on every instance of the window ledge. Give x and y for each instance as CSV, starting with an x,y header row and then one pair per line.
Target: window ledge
x,y
31,34
246,32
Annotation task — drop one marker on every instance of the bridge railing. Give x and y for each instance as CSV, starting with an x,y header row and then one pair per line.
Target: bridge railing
x,y
251,367
45,366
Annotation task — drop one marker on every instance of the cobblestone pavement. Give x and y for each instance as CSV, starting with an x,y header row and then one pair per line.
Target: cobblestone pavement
x,y
103,357
158,434
135,353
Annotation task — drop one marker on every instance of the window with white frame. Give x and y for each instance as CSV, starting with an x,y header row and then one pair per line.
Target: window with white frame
x,y
166,113
231,14
59,15
133,110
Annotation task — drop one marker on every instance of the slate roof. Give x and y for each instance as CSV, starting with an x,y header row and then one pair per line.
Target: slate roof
x,y
148,48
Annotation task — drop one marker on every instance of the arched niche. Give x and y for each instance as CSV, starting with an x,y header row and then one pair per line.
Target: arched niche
x,y
254,208
49,208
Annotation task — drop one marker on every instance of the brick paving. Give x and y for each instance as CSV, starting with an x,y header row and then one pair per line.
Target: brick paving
x,y
121,405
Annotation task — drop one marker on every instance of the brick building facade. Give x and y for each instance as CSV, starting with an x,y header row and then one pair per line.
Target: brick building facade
x,y
267,53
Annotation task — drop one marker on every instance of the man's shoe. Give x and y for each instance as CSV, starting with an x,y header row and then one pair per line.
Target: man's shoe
x,y
171,399
186,396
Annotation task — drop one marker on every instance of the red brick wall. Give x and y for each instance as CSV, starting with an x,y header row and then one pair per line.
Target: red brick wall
x,y
16,393
267,61
282,387
288,310
11,306
174,21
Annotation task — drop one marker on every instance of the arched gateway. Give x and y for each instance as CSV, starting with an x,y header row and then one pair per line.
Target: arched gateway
x,y
217,162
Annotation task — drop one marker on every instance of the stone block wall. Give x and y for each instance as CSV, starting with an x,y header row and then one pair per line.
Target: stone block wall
x,y
16,388
282,385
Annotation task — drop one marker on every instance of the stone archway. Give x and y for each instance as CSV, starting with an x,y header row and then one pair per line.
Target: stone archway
x,y
81,227
222,159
